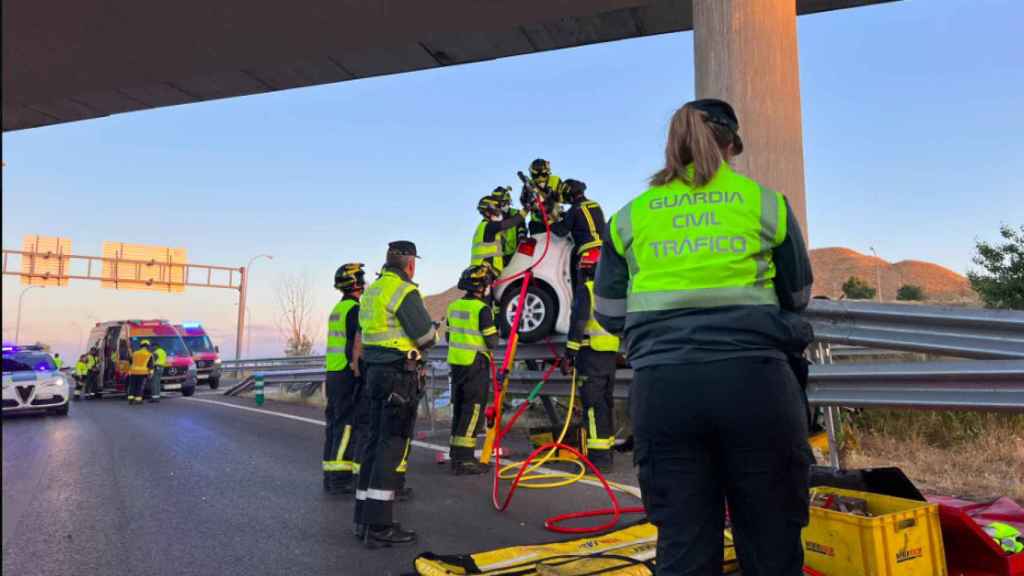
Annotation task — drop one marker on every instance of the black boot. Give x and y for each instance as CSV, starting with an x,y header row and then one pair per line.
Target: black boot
x,y
389,536
602,459
359,531
468,468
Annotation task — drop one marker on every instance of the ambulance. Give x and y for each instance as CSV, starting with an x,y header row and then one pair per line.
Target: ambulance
x,y
115,341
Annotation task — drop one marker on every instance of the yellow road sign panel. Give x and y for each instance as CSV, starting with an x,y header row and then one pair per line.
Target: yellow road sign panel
x,y
142,267
46,260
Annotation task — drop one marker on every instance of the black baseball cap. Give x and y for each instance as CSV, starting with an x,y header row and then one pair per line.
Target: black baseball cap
x,y
402,248
721,113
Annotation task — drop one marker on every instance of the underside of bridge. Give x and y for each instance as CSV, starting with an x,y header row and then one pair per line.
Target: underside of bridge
x,y
95,58
79,60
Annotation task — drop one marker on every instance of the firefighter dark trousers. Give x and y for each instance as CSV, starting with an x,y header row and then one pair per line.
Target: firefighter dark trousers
x,y
598,415
469,396
342,391
732,431
393,403
137,385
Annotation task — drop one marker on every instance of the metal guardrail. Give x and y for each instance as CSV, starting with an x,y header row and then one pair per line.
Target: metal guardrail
x,y
953,385
993,381
958,332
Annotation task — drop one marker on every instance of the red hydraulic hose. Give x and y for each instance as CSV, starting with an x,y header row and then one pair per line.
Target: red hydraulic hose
x,y
616,511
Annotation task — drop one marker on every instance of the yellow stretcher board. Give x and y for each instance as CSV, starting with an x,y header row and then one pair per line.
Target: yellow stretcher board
x,y
626,552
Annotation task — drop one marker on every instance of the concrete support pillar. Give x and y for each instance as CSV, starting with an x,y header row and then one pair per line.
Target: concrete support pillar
x,y
746,54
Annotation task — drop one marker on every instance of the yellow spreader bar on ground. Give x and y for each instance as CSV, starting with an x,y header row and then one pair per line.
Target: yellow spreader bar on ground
x,y
626,552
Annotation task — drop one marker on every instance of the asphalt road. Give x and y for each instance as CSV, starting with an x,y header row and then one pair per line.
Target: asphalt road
x,y
209,486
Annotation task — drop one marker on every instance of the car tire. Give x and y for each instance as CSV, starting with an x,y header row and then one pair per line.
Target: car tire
x,y
214,383
542,307
62,410
188,390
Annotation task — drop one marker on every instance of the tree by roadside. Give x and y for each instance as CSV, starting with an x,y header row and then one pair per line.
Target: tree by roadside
x,y
1000,282
857,289
296,303
910,293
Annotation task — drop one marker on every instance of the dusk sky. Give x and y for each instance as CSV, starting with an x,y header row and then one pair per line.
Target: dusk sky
x,y
912,140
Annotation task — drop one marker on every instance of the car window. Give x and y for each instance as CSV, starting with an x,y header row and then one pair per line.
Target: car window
x,y
198,343
28,362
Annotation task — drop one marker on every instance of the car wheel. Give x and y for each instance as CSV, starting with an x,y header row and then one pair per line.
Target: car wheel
x,y
188,390
214,383
62,410
539,315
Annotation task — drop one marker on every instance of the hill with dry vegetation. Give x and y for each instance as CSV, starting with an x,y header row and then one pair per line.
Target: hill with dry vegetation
x,y
834,266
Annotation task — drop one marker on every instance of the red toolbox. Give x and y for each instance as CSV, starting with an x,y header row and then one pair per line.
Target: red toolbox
x,y
969,550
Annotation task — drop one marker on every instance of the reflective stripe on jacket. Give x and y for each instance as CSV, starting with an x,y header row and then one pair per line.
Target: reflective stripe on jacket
x,y
490,251
700,247
337,335
377,313
465,338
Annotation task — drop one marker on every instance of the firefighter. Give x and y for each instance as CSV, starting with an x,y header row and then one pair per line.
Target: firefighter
x,y
81,373
396,328
139,372
159,365
344,382
92,385
509,238
706,273
550,188
583,222
57,360
471,336
593,352
488,238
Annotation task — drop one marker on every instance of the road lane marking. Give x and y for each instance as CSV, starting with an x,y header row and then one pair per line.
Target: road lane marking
x,y
625,488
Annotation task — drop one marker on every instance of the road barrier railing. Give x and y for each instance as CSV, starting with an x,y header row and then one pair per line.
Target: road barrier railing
x,y
992,378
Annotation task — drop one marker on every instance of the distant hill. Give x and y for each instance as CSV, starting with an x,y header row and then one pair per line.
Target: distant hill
x,y
437,305
834,266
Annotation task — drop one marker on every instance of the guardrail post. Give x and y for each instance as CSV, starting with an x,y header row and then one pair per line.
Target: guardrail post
x,y
830,427
259,389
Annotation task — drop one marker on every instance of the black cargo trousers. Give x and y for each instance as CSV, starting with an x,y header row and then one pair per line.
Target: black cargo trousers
x,y
469,395
394,399
728,431
341,436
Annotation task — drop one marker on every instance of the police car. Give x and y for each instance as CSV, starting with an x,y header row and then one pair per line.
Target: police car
x,y
31,381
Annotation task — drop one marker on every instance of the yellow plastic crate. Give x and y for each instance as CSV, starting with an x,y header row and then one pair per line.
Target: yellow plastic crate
x,y
902,538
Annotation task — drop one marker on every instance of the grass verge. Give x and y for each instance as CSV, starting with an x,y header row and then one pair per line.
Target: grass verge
x,y
974,455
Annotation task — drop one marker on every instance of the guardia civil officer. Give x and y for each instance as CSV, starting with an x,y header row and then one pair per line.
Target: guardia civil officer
x,y
343,383
396,328
703,272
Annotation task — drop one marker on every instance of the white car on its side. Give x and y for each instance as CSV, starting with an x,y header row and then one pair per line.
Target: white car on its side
x,y
31,381
549,295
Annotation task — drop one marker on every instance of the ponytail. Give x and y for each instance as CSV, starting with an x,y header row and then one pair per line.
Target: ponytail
x,y
692,140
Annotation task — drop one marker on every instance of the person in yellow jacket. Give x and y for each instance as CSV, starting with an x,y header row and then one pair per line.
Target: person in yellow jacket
x,y
471,337
396,328
80,374
593,352
705,273
159,365
139,372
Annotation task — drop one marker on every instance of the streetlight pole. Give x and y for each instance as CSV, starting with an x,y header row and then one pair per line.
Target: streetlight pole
x,y
878,272
17,324
243,286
